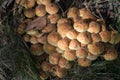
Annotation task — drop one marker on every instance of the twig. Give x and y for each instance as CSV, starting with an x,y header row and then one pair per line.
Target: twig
x,y
99,12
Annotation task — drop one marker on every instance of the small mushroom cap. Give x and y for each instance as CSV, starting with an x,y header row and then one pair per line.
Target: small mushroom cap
x,y
49,48
54,58
53,38
84,38
73,12
32,32
26,38
45,2
84,62
29,13
38,2
63,63
21,28
63,21
81,53
42,39
40,10
110,55
74,45
96,48
91,56
36,49
69,55
94,27
72,34
46,66
59,50
95,37
33,40
29,3
49,28
60,72
63,29
26,21
52,8
53,18
69,65
105,36
80,25
102,24
86,14
63,44
115,37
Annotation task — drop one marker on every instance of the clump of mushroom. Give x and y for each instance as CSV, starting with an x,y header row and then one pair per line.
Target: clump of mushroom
x,y
79,37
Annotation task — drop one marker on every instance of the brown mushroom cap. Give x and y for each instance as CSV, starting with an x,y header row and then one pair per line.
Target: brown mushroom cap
x,y
40,10
91,56
38,2
95,37
27,20
26,38
29,3
33,32
96,48
115,37
74,45
86,14
81,53
84,38
54,58
63,29
69,65
49,28
63,44
63,21
42,39
49,48
102,24
69,55
105,36
72,34
59,50
46,66
73,12
63,63
21,28
29,13
80,25
52,8
33,40
53,18
84,62
110,55
60,72
53,38
94,27
45,2
36,49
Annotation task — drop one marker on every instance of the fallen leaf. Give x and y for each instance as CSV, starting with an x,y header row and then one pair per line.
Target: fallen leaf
x,y
38,23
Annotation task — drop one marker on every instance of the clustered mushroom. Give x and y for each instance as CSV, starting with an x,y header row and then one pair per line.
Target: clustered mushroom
x,y
79,37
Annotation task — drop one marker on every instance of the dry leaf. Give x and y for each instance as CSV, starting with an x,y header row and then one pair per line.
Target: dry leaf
x,y
38,23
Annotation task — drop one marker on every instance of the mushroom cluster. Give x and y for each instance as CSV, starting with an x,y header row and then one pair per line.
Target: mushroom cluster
x,y
78,37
